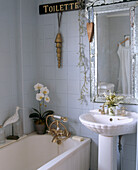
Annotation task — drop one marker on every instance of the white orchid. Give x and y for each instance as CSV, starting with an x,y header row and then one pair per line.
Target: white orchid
x,y
44,90
112,99
39,96
40,114
38,86
47,99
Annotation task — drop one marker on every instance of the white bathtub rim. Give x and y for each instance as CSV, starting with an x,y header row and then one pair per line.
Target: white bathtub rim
x,y
59,159
10,142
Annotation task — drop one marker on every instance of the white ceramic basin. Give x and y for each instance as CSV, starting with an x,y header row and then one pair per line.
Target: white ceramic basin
x,y
109,125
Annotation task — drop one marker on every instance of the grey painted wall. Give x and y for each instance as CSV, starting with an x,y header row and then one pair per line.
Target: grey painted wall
x,y
8,59
18,71
28,73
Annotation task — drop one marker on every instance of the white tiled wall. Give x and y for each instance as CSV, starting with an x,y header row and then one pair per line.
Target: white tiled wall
x,y
65,83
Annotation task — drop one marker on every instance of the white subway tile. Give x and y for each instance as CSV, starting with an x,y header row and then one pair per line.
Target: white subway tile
x,y
49,45
61,99
61,86
50,72
73,44
73,59
129,139
73,87
48,19
61,73
73,101
129,152
48,31
51,85
62,111
73,73
64,59
74,128
73,115
128,164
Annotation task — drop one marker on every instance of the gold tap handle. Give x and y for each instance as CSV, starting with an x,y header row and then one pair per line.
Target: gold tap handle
x,y
59,132
64,119
102,107
47,120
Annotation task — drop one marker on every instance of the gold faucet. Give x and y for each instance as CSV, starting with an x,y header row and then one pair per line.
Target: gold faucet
x,y
102,110
57,129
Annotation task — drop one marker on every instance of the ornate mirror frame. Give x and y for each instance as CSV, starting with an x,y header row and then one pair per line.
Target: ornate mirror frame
x,y
133,8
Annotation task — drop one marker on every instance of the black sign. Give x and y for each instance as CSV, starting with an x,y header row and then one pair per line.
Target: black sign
x,y
59,7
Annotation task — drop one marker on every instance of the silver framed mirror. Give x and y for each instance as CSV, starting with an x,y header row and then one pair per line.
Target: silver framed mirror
x,y
114,52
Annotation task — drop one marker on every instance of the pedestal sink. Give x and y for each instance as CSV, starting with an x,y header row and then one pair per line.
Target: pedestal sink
x,y
108,128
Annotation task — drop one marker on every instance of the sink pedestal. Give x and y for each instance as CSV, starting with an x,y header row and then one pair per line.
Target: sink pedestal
x,y
107,153
106,125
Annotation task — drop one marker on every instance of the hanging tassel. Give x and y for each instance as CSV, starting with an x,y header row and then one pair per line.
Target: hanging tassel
x,y
58,42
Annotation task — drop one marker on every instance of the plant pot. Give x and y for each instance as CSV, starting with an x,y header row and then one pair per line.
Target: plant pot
x,y
40,128
112,111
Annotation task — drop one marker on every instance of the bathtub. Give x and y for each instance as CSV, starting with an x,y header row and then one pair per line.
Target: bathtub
x,y
38,152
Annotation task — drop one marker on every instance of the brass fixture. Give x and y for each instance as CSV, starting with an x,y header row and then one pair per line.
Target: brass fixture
x,y
123,111
58,41
102,109
57,129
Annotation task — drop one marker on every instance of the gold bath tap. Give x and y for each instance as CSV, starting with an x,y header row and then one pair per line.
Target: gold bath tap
x,y
57,129
102,110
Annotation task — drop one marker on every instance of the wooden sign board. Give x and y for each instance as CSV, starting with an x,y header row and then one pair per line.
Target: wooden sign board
x,y
58,7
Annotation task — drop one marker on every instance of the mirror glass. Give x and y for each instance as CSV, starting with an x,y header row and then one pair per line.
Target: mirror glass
x,y
114,61
113,53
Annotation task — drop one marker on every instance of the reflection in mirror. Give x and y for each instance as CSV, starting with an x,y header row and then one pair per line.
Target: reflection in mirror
x,y
113,52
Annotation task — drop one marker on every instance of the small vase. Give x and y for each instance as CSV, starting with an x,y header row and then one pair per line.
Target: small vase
x,y
40,128
112,111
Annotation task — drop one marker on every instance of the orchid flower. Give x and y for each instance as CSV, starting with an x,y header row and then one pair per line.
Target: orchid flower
x,y
39,96
38,86
47,99
44,90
